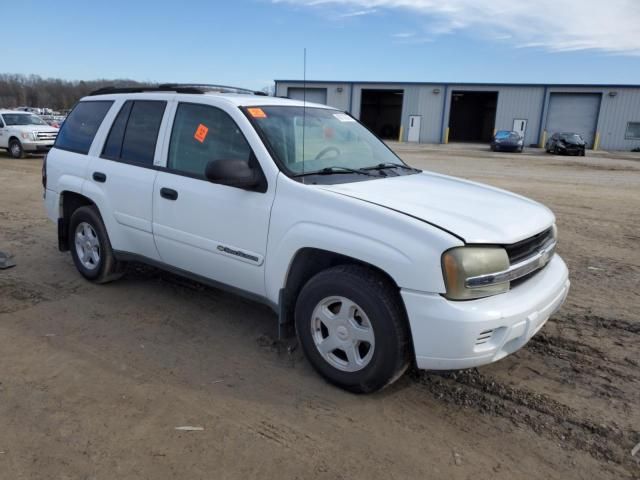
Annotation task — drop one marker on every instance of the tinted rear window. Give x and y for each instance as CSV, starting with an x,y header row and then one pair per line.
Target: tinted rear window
x,y
81,125
113,145
139,144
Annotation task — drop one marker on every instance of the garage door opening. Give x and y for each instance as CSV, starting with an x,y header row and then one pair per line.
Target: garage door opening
x,y
473,116
311,95
574,113
381,112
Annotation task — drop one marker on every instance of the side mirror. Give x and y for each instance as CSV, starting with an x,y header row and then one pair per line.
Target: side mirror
x,y
234,173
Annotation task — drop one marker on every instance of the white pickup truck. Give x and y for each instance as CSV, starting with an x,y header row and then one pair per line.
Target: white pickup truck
x,y
373,263
24,132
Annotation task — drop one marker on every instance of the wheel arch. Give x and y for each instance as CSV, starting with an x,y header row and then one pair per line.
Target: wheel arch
x,y
307,262
70,201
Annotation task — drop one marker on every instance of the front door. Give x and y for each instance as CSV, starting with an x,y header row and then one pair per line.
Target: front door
x,y
414,128
520,126
215,231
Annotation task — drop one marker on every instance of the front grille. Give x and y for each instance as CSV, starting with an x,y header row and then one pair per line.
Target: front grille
x,y
524,249
46,135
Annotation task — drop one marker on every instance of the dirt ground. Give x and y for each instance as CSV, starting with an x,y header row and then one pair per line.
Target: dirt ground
x,y
94,380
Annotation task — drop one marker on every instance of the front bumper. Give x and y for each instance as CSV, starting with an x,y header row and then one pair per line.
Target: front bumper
x,y
450,335
571,150
503,147
39,146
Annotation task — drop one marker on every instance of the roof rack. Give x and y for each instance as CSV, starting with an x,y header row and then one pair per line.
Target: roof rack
x,y
199,88
210,87
161,88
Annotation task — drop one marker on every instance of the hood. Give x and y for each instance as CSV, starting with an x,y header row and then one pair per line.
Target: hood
x,y
573,141
471,211
33,128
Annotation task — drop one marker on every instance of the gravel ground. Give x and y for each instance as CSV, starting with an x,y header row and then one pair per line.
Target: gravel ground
x,y
94,380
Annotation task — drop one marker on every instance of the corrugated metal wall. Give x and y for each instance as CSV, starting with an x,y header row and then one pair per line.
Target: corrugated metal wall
x,y
522,103
615,113
338,94
531,102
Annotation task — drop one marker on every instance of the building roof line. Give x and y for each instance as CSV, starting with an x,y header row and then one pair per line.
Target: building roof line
x,y
469,84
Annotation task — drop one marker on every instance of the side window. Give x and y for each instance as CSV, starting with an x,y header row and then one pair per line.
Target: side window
x,y
134,132
81,125
202,134
113,145
1,122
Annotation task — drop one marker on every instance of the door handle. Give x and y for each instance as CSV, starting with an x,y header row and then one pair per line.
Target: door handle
x,y
168,193
99,177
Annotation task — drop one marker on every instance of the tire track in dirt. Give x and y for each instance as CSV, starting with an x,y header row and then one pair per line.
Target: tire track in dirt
x,y
584,358
597,322
17,294
545,416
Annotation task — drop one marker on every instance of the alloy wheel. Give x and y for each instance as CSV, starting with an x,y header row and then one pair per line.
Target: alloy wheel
x,y
343,333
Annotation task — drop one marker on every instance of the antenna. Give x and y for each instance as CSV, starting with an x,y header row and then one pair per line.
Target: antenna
x,y
304,103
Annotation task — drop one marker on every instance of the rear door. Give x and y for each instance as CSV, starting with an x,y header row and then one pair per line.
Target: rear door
x,y
520,126
414,128
215,231
125,173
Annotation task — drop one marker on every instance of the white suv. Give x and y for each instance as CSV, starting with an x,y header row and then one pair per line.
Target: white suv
x,y
24,132
375,264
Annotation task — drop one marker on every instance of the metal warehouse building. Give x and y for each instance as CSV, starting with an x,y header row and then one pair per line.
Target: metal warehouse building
x,y
607,116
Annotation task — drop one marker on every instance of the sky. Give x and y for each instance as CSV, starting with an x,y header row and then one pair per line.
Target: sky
x,y
252,42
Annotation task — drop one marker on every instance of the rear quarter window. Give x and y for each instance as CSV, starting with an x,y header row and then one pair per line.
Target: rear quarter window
x,y
80,127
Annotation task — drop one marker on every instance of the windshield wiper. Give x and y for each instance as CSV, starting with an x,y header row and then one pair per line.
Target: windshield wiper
x,y
383,166
334,170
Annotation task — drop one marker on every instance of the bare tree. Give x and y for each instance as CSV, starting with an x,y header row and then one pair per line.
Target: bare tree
x,y
34,91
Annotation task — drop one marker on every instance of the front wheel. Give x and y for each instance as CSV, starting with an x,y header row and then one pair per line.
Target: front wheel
x,y
352,328
15,149
90,246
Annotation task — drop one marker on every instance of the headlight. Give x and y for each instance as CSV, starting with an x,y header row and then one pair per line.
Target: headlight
x,y
26,135
520,142
461,263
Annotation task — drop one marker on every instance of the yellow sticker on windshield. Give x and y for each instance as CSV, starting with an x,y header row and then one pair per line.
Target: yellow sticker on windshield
x,y
257,113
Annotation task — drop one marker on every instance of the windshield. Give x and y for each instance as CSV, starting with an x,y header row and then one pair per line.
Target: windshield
x,y
571,137
503,134
329,139
22,119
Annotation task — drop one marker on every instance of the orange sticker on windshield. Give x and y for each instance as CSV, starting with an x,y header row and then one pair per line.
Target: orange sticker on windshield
x,y
201,133
257,113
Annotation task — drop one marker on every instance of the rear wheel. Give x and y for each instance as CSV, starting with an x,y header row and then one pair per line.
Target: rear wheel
x,y
90,246
352,328
15,149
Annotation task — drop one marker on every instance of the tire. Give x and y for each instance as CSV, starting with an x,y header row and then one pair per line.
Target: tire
x,y
15,149
583,153
87,233
375,315
556,151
